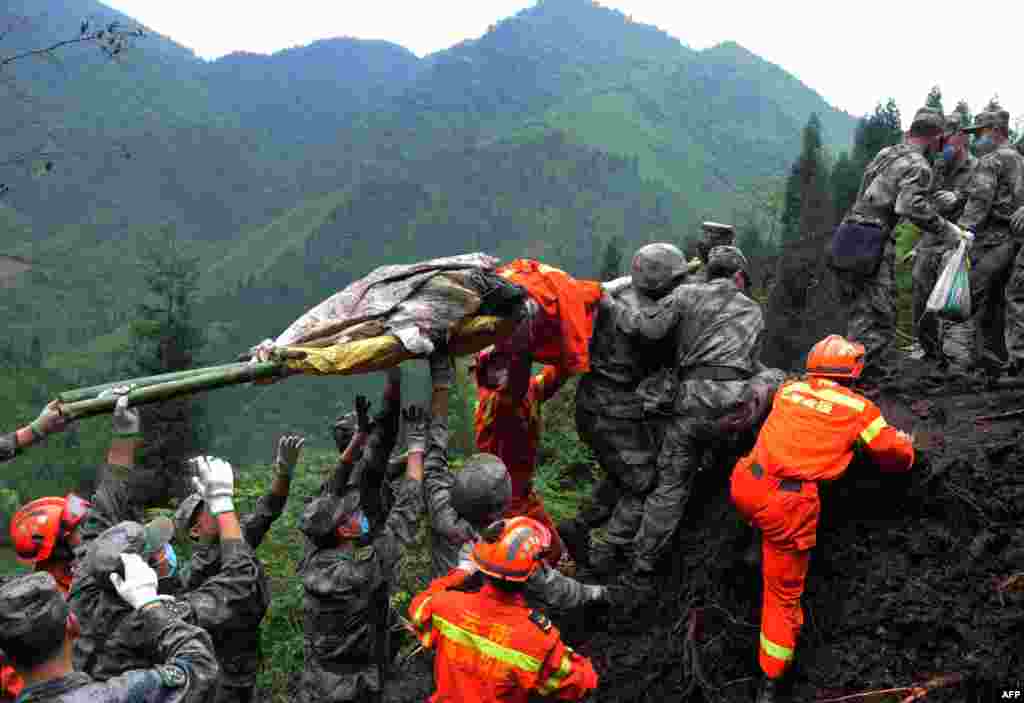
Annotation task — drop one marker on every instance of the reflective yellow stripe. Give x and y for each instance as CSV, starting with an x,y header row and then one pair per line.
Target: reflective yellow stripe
x,y
417,618
840,399
872,430
828,394
481,644
557,677
776,650
427,638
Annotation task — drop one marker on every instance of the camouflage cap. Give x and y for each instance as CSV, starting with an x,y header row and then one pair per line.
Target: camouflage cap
x,y
322,516
928,119
104,555
33,614
482,489
718,228
186,512
730,258
655,266
990,118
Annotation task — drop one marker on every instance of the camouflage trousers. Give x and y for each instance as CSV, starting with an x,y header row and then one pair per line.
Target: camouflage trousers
x,y
992,263
682,452
928,327
627,450
872,307
1014,334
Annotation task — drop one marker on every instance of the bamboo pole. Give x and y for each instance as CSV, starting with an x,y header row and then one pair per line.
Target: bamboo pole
x,y
234,375
78,394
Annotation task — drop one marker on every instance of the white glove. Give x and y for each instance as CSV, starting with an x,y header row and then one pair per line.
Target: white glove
x,y
216,482
617,285
125,421
138,587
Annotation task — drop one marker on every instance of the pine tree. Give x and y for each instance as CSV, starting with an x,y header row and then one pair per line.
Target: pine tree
x,y
612,266
934,99
790,218
878,131
846,176
993,104
35,354
815,202
166,339
964,111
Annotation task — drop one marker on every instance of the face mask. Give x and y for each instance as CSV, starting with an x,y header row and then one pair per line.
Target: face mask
x,y
984,145
949,153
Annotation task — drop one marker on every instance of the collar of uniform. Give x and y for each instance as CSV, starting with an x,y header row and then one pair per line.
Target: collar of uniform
x,y
491,591
48,690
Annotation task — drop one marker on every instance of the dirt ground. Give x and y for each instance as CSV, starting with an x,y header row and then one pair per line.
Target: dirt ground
x,y
908,581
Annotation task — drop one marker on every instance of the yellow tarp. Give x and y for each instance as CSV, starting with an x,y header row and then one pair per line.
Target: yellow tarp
x,y
385,351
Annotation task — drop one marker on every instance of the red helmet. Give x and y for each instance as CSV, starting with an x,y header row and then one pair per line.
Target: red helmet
x,y
38,525
836,357
512,550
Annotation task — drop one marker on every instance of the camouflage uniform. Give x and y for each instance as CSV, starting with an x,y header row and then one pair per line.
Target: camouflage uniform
x,y
928,260
230,603
8,447
610,418
452,537
718,334
237,639
347,600
348,619
897,183
186,671
995,192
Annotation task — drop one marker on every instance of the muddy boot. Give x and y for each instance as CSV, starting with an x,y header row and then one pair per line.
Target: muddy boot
x,y
768,692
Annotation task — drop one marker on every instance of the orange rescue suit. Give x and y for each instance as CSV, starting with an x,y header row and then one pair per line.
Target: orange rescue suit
x,y
490,646
809,436
508,425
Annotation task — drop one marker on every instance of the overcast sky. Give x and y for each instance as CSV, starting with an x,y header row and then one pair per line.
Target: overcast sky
x,y
853,62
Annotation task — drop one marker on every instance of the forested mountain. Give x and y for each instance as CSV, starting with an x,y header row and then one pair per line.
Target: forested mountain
x,y
561,129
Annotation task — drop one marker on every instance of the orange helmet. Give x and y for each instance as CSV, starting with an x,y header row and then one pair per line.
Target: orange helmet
x,y
38,525
836,357
512,550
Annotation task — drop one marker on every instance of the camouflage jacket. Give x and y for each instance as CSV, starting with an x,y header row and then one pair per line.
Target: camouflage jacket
x,y
347,607
452,537
8,447
187,672
229,605
995,191
206,557
897,183
618,362
714,324
956,182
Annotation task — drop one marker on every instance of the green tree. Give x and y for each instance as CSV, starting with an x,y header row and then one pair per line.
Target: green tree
x,y
993,104
790,217
876,132
846,177
963,110
934,99
815,201
612,266
35,354
166,339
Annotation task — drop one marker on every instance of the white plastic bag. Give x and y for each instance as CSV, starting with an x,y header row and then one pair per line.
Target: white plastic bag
x,y
951,296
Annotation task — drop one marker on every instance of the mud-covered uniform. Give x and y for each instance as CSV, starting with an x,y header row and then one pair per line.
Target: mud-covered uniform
x,y
810,436
610,417
931,247
995,192
717,331
347,592
186,672
452,537
8,446
490,646
897,184
236,638
508,425
230,602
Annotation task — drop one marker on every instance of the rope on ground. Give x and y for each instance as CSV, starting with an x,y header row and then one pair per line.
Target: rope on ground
x,y
909,693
